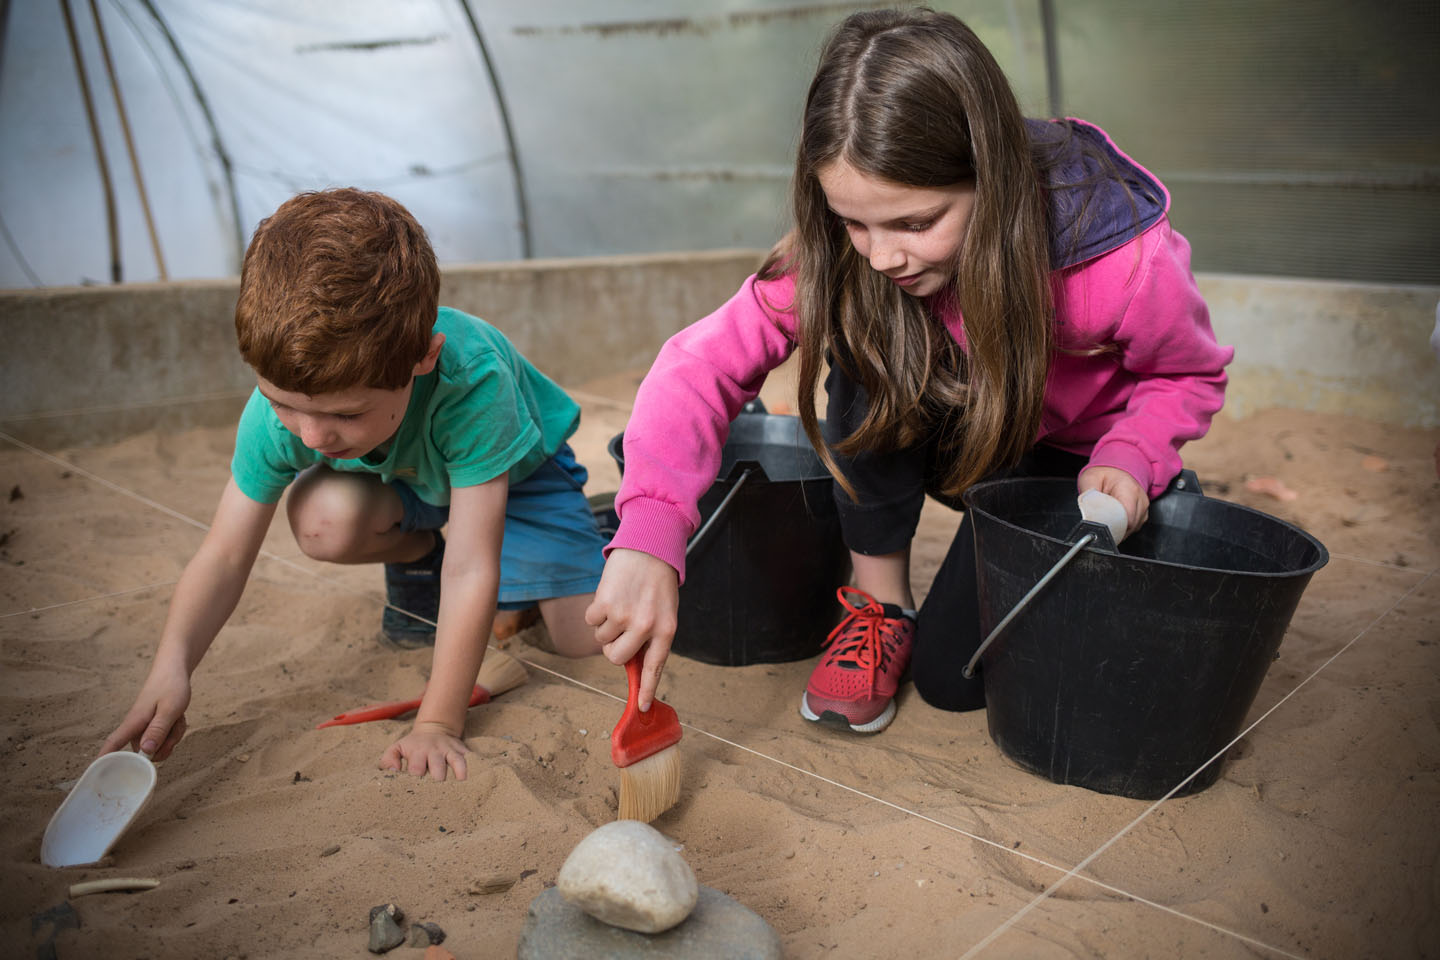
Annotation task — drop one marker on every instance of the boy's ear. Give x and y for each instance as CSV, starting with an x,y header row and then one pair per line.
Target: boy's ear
x,y
432,355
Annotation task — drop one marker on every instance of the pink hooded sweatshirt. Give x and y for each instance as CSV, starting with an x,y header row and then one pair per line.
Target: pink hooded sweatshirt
x,y
1131,408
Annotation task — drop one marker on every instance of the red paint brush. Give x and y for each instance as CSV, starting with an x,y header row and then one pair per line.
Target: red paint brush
x,y
643,747
499,672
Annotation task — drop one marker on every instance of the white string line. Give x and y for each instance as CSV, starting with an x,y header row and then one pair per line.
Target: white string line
x,y
89,599
110,484
1039,861
103,482
1074,871
1378,563
595,400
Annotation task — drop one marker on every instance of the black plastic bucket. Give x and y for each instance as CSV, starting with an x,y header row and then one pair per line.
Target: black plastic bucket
x,y
1130,670
762,569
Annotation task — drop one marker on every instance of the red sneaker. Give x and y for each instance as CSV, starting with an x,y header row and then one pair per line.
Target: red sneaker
x,y
853,686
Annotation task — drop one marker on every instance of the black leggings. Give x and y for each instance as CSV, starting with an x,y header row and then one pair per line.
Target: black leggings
x,y
890,489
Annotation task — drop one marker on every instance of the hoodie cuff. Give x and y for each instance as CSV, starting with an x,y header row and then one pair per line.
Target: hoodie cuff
x,y
654,527
1132,460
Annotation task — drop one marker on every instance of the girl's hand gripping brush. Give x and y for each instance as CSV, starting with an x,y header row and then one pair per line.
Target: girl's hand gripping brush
x,y
498,672
643,747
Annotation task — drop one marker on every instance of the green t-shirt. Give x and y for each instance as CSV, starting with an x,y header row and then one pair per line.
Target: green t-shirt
x,y
483,410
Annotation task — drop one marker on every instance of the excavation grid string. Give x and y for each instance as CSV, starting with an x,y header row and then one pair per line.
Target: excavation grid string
x,y
1009,923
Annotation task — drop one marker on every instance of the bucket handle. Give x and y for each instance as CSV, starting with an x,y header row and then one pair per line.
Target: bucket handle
x,y
710,522
1090,532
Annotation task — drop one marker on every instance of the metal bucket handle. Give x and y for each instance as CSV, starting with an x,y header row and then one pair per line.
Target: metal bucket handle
x,y
1086,533
751,468
709,523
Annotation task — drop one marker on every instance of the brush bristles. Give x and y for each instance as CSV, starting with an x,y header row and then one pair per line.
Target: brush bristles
x,y
500,672
650,786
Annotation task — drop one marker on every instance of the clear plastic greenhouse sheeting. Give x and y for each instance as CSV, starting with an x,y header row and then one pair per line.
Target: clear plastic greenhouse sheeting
x,y
637,126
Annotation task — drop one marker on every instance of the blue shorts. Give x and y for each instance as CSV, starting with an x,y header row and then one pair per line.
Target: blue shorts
x,y
552,543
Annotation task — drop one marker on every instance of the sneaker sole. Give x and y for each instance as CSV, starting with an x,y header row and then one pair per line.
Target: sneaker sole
x,y
838,721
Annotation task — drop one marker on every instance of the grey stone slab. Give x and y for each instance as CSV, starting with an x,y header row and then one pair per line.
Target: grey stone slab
x,y
719,928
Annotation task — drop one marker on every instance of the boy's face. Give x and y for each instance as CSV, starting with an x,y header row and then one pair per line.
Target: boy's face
x,y
349,423
341,425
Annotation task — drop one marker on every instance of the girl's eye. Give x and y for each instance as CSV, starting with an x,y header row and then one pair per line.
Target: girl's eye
x,y
347,416
919,227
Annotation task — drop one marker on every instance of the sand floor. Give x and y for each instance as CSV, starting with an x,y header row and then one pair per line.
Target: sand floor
x,y
271,838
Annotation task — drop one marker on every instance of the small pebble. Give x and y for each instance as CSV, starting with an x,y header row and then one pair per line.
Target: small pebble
x,y
425,933
243,758
332,849
493,883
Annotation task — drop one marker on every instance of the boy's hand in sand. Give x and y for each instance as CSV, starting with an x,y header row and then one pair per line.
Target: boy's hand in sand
x,y
157,720
636,603
1123,487
428,747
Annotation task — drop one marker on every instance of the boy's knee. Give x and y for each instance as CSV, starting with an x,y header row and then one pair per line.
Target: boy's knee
x,y
328,515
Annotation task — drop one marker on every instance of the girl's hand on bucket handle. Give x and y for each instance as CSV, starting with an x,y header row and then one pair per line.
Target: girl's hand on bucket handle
x,y
636,603
1123,487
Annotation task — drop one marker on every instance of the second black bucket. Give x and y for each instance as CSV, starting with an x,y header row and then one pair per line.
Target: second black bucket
x,y
762,570
1131,670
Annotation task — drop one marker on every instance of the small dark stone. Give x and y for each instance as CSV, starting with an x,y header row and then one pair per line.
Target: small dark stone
x,y
57,918
425,933
299,779
15,493
385,932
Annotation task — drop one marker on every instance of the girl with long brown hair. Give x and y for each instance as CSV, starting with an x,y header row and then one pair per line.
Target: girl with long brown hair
x,y
989,294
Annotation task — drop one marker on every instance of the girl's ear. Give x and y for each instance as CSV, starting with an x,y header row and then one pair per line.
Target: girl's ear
x,y
432,355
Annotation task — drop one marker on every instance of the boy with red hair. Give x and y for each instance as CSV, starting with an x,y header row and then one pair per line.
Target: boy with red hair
x,y
387,417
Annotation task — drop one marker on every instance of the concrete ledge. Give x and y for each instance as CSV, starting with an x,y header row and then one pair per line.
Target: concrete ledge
x,y
1314,345
1345,348
81,348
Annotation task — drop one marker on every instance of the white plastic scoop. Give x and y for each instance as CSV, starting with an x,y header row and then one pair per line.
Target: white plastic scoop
x,y
99,808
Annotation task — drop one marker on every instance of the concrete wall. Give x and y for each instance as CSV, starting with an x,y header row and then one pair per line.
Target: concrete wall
x,y
1330,347
138,354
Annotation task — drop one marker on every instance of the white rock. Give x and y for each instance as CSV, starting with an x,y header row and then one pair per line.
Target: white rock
x,y
628,875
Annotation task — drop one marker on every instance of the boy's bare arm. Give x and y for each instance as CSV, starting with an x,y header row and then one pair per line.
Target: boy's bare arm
x,y
469,584
206,595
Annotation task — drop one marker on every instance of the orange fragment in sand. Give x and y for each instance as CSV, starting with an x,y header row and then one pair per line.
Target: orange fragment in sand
x,y
1375,464
436,952
1272,487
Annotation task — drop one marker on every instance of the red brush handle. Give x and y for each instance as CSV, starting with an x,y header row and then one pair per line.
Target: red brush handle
x,y
393,709
640,735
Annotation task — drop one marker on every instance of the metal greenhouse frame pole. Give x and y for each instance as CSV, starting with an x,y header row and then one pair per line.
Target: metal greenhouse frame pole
x,y
520,202
129,141
107,186
226,165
